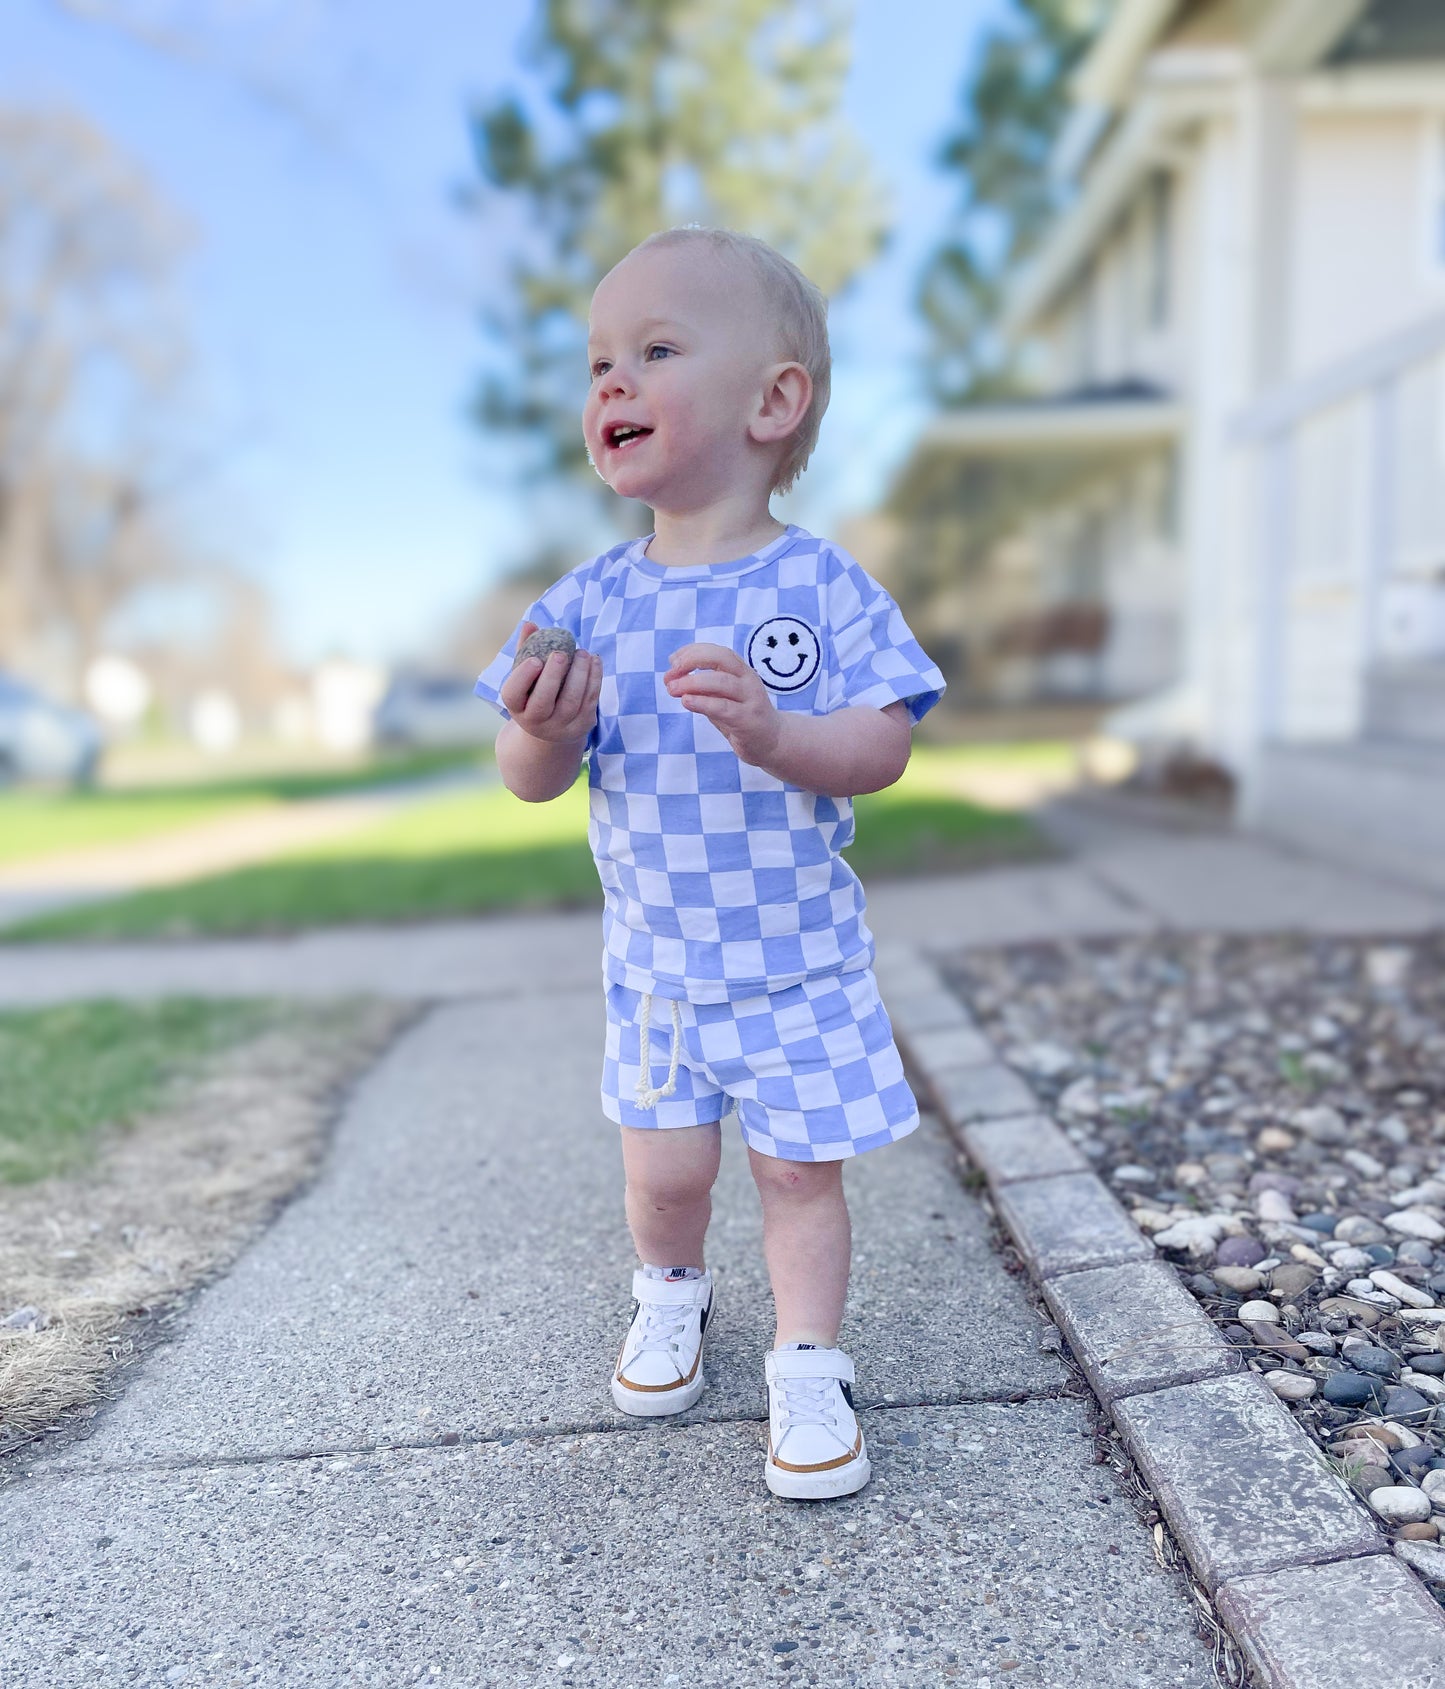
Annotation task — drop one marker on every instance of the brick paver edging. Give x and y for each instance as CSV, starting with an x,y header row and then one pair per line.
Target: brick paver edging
x,y
1298,1569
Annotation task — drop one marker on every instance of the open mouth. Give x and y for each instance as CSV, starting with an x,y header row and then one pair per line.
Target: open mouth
x,y
620,435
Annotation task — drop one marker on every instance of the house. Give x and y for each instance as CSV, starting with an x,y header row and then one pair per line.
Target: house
x,y
1225,504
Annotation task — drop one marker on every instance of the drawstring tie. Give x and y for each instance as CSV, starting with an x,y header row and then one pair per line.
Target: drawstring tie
x,y
647,1097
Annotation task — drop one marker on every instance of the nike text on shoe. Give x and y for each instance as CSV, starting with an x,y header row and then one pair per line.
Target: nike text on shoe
x,y
659,1368
815,1445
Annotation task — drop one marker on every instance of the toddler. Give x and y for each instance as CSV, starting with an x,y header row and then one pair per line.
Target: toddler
x,y
736,682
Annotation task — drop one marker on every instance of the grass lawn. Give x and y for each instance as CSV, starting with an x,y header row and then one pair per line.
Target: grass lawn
x,y
466,853
36,824
66,1073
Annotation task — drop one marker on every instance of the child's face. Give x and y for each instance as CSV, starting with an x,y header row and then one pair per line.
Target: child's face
x,y
678,362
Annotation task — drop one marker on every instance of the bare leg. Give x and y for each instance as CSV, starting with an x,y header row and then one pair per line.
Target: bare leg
x,y
670,1176
807,1241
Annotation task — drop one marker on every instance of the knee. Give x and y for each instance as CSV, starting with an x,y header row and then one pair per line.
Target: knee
x,y
799,1181
663,1191
662,1182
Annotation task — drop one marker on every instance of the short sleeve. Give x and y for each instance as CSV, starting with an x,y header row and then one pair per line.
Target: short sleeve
x,y
876,659
559,607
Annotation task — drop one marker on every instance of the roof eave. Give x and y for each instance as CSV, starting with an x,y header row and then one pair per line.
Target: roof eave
x,y
1145,140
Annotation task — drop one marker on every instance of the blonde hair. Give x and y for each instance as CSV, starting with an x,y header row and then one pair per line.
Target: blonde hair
x,y
800,318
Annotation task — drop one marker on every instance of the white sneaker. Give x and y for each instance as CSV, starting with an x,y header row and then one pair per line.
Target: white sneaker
x,y
659,1367
815,1446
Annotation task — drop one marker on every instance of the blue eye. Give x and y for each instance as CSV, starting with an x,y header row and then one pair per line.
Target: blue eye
x,y
666,351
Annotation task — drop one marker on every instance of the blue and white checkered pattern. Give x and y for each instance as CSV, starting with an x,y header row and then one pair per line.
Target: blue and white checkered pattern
x,y
813,1071
719,880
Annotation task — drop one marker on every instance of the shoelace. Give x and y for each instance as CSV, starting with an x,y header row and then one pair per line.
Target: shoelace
x,y
804,1401
663,1324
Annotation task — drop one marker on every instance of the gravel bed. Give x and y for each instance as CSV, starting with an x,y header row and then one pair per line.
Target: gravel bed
x,y
1272,1112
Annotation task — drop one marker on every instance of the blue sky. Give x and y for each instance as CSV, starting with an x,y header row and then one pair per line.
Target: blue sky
x,y
331,287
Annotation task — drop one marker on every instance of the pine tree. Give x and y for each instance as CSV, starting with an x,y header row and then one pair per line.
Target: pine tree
x,y
1013,107
654,113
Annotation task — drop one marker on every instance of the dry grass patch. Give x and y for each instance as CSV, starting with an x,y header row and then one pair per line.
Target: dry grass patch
x,y
166,1201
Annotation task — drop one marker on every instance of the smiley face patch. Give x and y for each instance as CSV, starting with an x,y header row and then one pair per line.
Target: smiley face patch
x,y
784,653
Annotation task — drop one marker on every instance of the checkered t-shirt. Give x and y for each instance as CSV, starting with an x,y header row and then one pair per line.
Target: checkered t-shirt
x,y
720,881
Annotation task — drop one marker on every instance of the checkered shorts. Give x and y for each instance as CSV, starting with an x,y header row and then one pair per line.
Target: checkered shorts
x,y
812,1070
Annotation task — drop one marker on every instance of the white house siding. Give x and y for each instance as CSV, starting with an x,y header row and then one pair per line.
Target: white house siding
x,y
1361,217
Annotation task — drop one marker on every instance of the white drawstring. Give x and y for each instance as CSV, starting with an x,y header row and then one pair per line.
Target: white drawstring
x,y
647,1097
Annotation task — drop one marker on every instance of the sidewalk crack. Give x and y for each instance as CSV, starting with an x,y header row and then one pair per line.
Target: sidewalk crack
x,y
1020,1397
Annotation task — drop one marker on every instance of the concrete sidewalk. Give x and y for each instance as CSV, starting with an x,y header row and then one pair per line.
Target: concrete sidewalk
x,y
382,1448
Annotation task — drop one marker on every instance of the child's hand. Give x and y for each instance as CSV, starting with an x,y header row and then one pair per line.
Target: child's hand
x,y
717,683
556,700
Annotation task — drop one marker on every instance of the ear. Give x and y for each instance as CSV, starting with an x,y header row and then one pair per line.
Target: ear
x,y
787,393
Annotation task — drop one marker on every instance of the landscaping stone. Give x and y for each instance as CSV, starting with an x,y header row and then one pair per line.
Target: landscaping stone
x,y
1025,1146
949,1047
1069,1223
1242,1491
986,1091
1350,1624
1133,1328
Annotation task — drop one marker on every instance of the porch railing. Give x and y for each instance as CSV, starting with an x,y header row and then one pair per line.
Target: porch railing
x,y
1348,522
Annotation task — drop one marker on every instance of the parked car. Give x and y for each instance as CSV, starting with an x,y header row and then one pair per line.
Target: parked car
x,y
43,740
433,710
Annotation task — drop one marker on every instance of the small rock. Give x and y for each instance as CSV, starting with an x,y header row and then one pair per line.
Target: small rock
x,y
1387,967
1359,1229
1321,1342
1414,1222
1292,1279
1350,1307
1432,1389
543,643
1420,1530
1352,1260
1433,1484
1274,1206
1242,1280
1082,1097
1240,1252
1321,1125
1400,1290
1291,1386
1426,1558
1263,1312
1198,1235
1132,1174
1049,1061
1404,1403
1364,1164
1322,1223
1365,1357
1274,1140
1353,1389
1400,1503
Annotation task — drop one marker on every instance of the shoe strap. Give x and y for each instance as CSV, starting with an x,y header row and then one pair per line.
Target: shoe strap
x,y
686,1292
808,1363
